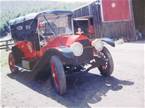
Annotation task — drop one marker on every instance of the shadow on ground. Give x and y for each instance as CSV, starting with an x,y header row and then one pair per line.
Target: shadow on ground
x,y
82,89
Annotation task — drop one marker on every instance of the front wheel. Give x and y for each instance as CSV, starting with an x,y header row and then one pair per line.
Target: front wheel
x,y
107,68
58,75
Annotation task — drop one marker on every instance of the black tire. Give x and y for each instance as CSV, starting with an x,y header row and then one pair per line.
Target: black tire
x,y
58,75
12,63
107,69
17,53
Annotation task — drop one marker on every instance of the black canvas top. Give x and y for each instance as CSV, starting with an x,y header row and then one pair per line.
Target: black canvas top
x,y
35,15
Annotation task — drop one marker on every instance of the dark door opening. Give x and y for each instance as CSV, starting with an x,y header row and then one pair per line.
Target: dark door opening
x,y
86,25
139,15
83,24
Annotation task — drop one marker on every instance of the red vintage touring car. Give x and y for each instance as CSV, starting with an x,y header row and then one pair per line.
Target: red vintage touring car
x,y
46,45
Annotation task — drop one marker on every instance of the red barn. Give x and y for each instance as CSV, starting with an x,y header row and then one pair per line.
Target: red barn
x,y
116,10
110,18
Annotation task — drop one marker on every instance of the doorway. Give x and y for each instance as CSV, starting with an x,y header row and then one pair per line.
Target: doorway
x,y
86,24
139,16
81,23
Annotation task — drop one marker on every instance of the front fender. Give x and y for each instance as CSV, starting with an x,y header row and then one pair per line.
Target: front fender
x,y
109,41
65,52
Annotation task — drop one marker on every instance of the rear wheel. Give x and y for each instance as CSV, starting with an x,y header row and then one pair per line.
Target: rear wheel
x,y
107,68
58,75
12,63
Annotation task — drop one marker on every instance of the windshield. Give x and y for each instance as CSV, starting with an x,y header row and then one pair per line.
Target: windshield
x,y
53,25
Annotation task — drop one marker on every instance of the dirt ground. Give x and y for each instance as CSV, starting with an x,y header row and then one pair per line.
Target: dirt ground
x,y
125,88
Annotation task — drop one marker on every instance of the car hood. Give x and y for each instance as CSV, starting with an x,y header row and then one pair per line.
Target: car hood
x,y
66,40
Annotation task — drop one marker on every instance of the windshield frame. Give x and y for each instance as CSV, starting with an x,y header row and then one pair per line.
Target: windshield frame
x,y
52,19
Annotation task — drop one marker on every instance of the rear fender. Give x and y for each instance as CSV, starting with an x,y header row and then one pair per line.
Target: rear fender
x,y
26,48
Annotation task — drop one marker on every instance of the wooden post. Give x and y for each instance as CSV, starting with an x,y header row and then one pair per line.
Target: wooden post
x,y
7,45
132,20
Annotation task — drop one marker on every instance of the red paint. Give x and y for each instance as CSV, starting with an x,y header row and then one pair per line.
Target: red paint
x,y
11,62
55,77
114,10
29,53
91,29
63,41
27,49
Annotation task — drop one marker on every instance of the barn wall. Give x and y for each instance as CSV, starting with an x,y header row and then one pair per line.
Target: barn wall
x,y
84,11
121,29
91,10
96,13
118,30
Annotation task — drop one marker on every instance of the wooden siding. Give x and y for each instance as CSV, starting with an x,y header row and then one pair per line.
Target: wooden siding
x,y
92,10
120,29
96,12
81,12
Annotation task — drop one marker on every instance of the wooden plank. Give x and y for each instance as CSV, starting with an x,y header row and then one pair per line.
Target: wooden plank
x,y
118,30
96,12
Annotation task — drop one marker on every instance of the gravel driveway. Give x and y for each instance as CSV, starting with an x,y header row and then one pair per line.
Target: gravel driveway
x,y
125,88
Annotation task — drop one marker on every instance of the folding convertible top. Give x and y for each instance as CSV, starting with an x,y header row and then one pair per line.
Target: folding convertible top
x,y
35,15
